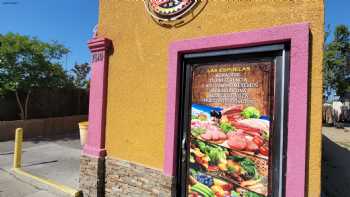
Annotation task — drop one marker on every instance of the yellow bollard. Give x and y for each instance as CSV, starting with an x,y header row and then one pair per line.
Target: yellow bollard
x,y
17,160
17,157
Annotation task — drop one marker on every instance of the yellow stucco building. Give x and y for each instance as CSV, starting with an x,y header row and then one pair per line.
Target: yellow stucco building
x,y
133,146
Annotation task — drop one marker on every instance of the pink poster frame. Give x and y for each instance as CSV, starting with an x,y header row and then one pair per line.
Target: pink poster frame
x,y
298,37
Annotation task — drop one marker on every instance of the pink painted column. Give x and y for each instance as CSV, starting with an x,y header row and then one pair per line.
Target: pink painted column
x,y
95,145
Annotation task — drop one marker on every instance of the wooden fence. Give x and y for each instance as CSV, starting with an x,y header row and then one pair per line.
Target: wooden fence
x,y
45,103
43,128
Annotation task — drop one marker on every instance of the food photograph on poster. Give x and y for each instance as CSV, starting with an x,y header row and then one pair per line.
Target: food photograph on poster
x,y
230,129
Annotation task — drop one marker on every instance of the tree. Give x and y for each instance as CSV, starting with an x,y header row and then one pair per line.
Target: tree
x,y
336,61
81,72
80,80
27,63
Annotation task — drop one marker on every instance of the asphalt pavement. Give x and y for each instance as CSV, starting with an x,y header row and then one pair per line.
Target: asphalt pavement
x,y
55,159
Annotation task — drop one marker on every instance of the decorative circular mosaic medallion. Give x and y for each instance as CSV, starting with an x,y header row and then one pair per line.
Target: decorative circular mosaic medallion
x,y
169,9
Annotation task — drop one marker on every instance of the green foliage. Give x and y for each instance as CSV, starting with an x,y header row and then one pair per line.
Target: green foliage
x,y
27,63
81,72
336,61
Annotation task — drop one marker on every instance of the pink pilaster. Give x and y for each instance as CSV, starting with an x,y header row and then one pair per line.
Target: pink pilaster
x,y
95,145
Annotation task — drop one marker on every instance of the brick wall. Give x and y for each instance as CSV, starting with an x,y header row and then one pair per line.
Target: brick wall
x,y
92,176
124,178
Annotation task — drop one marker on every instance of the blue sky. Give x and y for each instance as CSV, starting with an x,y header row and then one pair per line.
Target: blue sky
x,y
70,22
337,12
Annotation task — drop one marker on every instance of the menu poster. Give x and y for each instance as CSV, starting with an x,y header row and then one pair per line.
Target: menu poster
x,y
230,129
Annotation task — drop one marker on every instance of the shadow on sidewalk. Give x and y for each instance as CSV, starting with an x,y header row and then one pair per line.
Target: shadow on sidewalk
x,y
335,169
54,138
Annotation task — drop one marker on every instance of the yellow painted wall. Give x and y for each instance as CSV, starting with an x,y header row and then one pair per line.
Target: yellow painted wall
x,y
136,101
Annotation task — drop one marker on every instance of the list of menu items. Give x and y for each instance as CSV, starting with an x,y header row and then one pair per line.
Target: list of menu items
x,y
225,85
229,88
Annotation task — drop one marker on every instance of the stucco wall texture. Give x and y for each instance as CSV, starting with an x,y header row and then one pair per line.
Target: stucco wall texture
x,y
137,78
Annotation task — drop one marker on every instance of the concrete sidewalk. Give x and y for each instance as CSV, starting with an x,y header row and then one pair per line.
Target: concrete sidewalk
x,y
336,161
57,160
11,186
